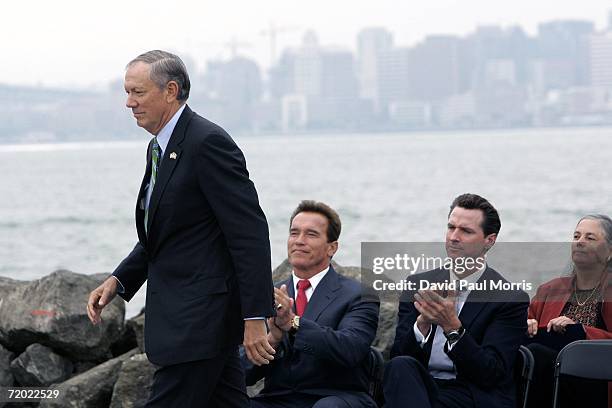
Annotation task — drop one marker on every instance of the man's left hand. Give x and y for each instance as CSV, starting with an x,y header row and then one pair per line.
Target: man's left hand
x,y
256,344
437,309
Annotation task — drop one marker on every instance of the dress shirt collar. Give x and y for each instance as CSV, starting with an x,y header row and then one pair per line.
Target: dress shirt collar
x,y
314,281
163,137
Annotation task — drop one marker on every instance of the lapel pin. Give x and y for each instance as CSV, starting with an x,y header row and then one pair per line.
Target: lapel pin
x,y
173,155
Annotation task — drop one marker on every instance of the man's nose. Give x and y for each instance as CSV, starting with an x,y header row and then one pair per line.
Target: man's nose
x,y
130,102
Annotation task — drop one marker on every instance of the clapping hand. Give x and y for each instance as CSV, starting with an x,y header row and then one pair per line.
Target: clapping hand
x,y
438,310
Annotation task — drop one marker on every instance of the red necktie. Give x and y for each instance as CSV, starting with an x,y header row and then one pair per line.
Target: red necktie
x,y
301,301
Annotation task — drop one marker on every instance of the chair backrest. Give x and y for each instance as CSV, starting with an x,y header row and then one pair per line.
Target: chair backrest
x,y
376,368
529,362
584,358
523,375
587,359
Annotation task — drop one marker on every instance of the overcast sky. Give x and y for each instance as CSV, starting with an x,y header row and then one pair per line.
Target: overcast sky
x,y
84,43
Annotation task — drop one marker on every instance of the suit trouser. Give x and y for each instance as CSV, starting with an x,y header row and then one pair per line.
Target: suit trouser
x,y
211,383
301,400
408,384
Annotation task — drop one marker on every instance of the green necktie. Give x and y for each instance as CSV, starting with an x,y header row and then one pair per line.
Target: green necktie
x,y
155,156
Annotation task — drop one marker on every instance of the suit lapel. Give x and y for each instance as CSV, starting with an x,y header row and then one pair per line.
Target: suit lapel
x,y
141,201
171,157
290,290
476,301
323,295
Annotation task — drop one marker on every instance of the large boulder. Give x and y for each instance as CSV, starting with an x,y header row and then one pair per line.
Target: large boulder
x,y
52,311
40,366
6,376
133,386
387,322
91,389
136,326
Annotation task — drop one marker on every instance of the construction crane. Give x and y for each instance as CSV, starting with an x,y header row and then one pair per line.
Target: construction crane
x,y
234,45
272,32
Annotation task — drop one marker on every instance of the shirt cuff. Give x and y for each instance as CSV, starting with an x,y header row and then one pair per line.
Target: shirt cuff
x,y
422,340
254,318
120,288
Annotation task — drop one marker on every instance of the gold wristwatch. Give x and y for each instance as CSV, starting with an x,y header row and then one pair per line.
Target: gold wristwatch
x,y
295,324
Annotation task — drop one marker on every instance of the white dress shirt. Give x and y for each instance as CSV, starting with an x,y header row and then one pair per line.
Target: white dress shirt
x,y
314,281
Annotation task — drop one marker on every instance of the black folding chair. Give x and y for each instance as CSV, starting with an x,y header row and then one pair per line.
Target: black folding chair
x,y
376,369
523,375
591,359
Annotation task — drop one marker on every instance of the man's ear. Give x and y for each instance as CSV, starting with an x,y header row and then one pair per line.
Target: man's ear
x,y
172,91
333,247
490,240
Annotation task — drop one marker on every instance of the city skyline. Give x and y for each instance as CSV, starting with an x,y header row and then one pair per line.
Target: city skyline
x,y
65,44
492,77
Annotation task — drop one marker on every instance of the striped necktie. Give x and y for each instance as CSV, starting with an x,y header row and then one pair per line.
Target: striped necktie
x,y
155,156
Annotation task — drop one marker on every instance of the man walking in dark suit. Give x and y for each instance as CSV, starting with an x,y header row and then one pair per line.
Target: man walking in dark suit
x,y
458,350
324,326
203,247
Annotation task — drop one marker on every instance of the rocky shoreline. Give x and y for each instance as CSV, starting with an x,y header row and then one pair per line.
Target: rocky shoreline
x,y
46,339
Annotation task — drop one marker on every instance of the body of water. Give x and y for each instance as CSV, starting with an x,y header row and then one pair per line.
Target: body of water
x,y
72,205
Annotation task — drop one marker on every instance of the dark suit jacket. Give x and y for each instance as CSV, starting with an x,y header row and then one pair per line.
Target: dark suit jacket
x,y
207,253
329,352
495,324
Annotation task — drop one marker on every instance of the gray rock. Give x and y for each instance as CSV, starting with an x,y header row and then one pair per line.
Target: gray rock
x,y
52,311
133,386
126,342
387,322
82,366
91,389
6,376
40,366
136,325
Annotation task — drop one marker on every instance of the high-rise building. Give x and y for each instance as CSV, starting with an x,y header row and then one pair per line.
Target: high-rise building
x,y
393,81
563,50
371,44
434,68
500,72
600,53
235,87
319,85
307,66
493,43
425,73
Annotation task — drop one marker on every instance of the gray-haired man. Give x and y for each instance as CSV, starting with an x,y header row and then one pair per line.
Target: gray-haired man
x,y
203,246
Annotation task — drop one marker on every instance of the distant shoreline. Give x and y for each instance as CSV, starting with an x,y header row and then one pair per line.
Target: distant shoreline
x,y
137,140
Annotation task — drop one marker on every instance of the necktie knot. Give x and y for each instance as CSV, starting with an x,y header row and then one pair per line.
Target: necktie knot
x,y
156,150
303,284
